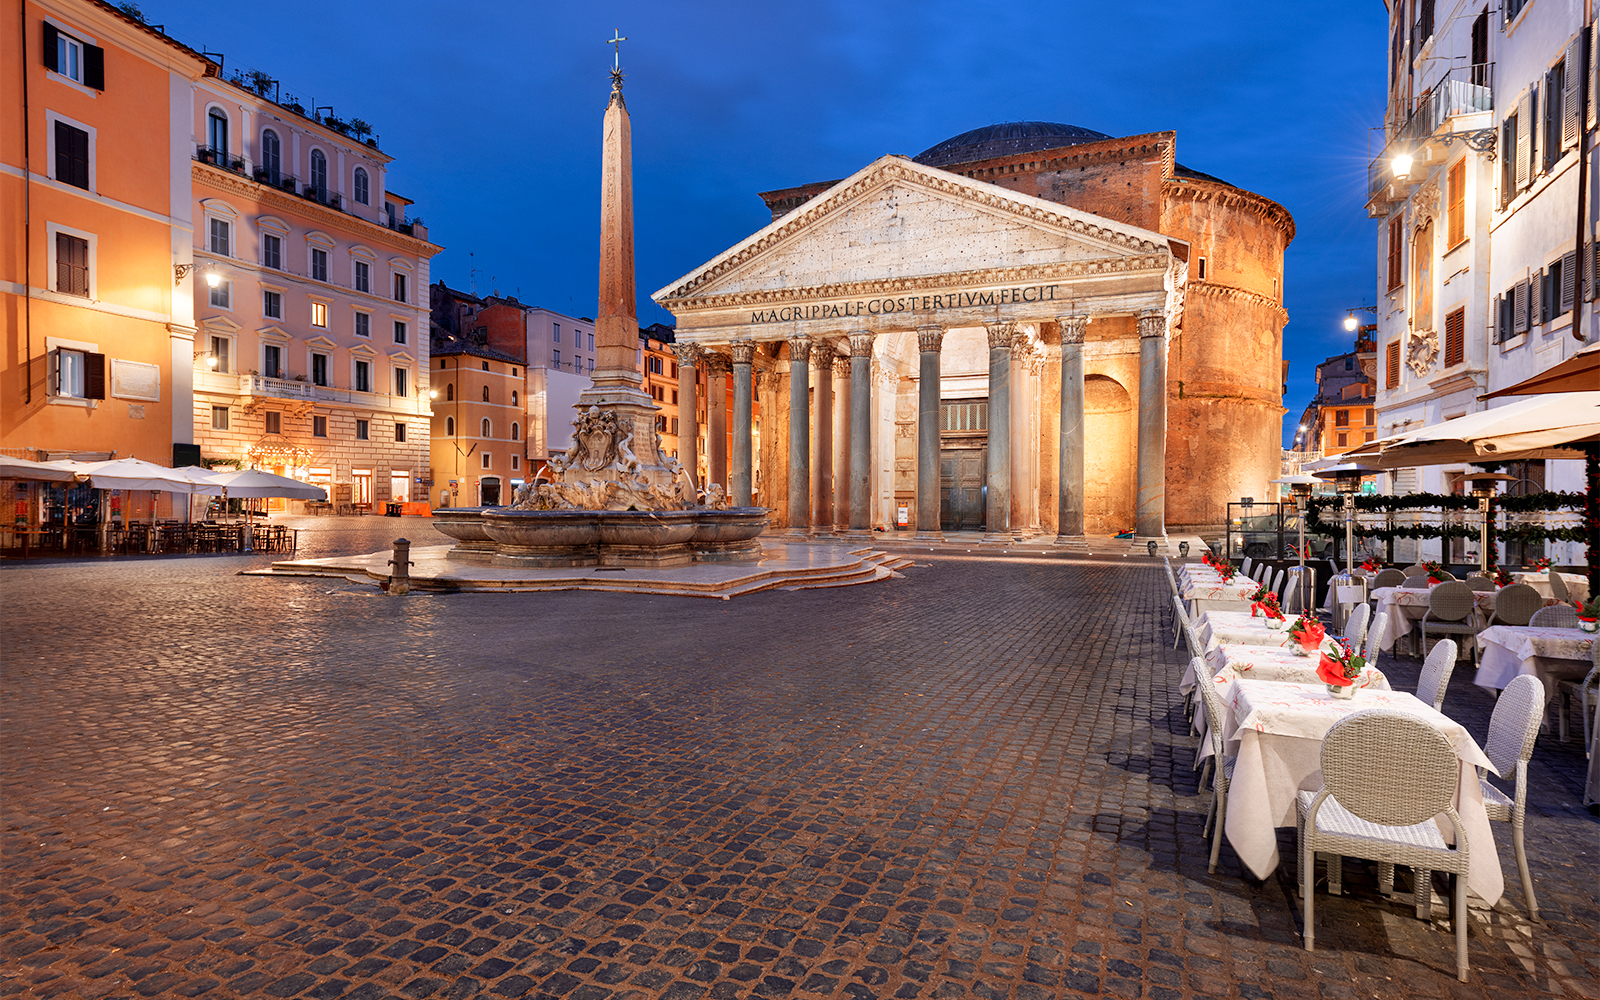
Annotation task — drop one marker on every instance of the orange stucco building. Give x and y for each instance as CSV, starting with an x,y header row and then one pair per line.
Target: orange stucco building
x,y
96,300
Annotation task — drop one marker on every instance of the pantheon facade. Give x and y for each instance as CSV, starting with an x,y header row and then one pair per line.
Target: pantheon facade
x,y
1029,329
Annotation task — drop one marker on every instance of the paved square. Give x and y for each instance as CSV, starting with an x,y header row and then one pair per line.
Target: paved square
x,y
972,781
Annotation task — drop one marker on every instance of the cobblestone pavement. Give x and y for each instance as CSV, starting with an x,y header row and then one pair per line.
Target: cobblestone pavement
x,y
974,781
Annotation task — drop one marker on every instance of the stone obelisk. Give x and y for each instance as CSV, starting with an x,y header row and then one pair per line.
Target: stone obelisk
x,y
618,384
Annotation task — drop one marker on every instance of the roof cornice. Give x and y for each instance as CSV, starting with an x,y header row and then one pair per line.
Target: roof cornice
x,y
1231,197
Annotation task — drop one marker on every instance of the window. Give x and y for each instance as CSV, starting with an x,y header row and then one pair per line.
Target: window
x,y
271,157
516,462
1369,436
1342,440
272,361
555,358
272,251
513,397
319,315
450,426
219,418
72,265
363,276
399,331
399,288
217,131
1510,157
485,394
72,155
1200,269
399,432
1513,8
591,341
319,172
1555,86
1455,329
319,264
485,463
402,378
485,366
274,422
221,237
363,324
319,427
272,304
591,364
513,375
362,432
362,187
363,376
222,295
1397,240
221,349
1341,418
516,432
1349,364
1456,185
449,392
487,428
1391,376
655,366
319,369
79,374
1371,417
555,335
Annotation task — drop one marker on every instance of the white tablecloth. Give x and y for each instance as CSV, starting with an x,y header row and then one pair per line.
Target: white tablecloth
x,y
1550,654
1278,729
1577,586
1238,628
1265,663
1405,607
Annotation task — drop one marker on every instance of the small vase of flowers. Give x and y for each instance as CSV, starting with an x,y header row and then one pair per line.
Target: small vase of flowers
x,y
1306,634
1372,564
1339,668
1436,572
1588,614
1264,604
1541,565
1503,577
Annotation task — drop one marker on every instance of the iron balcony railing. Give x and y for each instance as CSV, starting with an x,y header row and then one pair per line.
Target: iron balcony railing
x,y
1464,90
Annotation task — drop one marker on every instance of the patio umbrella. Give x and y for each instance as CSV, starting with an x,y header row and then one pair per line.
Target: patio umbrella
x,y
135,474
1579,373
255,483
1538,427
22,468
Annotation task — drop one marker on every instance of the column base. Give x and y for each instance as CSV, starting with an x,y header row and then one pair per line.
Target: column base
x,y
928,536
997,538
1073,542
859,534
822,531
1021,534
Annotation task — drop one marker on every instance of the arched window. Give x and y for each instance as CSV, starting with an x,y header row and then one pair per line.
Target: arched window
x,y
516,433
217,134
272,156
362,188
449,426
449,392
485,394
319,171
513,397
486,430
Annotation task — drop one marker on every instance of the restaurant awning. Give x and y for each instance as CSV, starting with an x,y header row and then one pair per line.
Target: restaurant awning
x,y
1541,427
256,483
1579,373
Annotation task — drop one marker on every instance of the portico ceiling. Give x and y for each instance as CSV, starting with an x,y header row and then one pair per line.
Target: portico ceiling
x,y
899,244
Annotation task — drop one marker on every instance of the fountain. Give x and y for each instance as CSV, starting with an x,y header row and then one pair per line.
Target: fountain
x,y
613,499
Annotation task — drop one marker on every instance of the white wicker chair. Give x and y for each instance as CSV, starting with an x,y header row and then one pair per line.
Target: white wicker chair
x,y
1222,772
1375,631
1277,584
1587,692
1558,587
1244,567
1385,776
1555,616
1512,729
1436,671
1451,612
1172,581
1355,628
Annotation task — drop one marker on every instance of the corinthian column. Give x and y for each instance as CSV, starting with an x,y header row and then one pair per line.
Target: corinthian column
x,y
717,419
822,443
1069,500
1021,470
739,479
840,459
799,434
1152,508
997,511
929,340
860,432
688,412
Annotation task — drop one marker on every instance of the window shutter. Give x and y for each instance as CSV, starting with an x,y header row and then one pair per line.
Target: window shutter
x,y
1392,376
94,376
1593,73
1456,184
1519,307
1396,241
1569,280
1455,337
1572,79
52,59
1524,145
72,155
94,67
1539,292
1499,318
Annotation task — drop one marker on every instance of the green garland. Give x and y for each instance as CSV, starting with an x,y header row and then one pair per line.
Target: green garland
x,y
1530,503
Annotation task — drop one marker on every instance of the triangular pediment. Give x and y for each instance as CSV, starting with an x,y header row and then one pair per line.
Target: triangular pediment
x,y
897,220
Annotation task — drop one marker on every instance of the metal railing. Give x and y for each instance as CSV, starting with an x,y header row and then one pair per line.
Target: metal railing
x,y
1464,90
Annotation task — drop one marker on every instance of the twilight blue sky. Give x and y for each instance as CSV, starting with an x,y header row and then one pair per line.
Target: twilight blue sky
x,y
492,112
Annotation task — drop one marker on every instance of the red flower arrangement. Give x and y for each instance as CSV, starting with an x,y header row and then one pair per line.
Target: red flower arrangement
x,y
1503,577
1341,667
1372,564
1436,572
1264,603
1588,614
1308,632
1542,564
1225,570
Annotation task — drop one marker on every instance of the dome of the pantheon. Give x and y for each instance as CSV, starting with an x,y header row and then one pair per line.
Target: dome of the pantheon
x,y
1003,140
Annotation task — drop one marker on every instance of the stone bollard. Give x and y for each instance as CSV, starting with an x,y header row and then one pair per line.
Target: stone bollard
x,y
400,576
1152,546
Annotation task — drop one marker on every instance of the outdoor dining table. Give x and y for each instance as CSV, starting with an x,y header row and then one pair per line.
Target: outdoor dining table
x,y
1577,586
1550,654
1202,594
1277,729
1405,607
1266,663
1238,628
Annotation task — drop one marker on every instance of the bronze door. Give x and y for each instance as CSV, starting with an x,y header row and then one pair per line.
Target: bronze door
x,y
962,472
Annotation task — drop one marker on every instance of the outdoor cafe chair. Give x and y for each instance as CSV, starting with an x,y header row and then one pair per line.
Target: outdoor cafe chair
x,y
1385,776
1515,605
1245,566
1388,578
1436,671
1418,582
1555,616
1375,632
1414,569
1513,727
1558,587
1277,584
1451,612
1587,692
1355,628
1480,583
1222,770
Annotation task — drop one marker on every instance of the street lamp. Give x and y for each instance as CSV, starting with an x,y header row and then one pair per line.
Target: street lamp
x,y
1483,488
1350,322
1401,166
213,277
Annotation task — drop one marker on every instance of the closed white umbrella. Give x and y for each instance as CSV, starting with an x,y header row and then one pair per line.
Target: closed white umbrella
x,y
136,474
255,483
22,468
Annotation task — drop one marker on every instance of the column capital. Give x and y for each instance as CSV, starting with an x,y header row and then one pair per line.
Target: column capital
x,y
861,343
743,352
1152,323
1022,336
1072,328
717,364
799,349
822,354
688,355
1000,334
841,367
930,339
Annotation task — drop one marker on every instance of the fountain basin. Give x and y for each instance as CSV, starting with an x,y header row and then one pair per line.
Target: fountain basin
x,y
502,536
465,525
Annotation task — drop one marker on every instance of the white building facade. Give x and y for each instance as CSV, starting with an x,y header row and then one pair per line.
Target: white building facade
x,y
1482,271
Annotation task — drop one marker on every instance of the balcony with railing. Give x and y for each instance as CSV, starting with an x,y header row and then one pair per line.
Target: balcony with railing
x,y
290,184
251,385
1464,90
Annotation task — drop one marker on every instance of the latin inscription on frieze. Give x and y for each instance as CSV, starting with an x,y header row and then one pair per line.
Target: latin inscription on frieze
x,y
906,303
